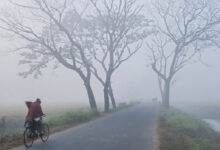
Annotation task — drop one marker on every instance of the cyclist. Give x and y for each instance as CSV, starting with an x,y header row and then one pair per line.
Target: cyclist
x,y
35,114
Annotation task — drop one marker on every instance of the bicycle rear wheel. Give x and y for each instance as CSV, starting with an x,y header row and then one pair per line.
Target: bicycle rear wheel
x,y
45,132
28,137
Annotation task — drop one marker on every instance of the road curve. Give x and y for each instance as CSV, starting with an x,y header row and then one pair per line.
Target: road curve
x,y
130,129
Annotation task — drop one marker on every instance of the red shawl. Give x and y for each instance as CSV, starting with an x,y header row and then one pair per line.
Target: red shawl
x,y
34,111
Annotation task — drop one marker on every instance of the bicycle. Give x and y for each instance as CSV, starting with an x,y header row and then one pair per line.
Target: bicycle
x,y
31,133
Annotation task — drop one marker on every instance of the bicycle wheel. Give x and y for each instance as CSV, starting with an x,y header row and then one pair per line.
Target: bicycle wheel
x,y
45,132
28,137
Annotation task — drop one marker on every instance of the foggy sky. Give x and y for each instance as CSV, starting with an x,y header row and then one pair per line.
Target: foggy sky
x,y
133,80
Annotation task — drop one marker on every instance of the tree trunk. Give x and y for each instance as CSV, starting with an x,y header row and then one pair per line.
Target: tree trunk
x,y
166,94
106,89
112,96
106,97
90,95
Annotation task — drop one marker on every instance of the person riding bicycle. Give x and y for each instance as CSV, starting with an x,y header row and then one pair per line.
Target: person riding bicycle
x,y
35,114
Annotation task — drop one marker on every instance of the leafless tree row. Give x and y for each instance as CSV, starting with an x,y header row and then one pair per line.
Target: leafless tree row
x,y
96,38
80,39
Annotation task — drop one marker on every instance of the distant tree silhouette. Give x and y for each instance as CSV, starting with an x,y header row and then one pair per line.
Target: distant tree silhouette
x,y
182,30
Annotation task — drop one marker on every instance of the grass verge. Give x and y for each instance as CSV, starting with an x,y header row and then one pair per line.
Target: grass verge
x,y
180,131
57,123
70,119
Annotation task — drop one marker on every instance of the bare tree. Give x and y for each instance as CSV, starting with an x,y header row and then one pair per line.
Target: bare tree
x,y
118,29
182,29
53,32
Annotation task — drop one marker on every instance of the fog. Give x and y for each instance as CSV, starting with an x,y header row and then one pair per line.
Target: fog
x,y
134,80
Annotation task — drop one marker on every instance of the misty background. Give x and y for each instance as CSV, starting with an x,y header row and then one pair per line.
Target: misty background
x,y
197,82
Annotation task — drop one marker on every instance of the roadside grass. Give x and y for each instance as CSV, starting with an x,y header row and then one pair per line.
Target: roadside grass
x,y
9,140
57,122
70,119
180,131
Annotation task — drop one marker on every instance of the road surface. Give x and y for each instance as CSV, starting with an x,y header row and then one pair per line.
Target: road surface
x,y
130,129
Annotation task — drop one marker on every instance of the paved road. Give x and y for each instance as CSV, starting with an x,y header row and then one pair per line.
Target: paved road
x,y
129,129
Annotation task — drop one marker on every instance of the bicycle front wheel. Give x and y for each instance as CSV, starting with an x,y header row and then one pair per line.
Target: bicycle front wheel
x,y
45,132
28,137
